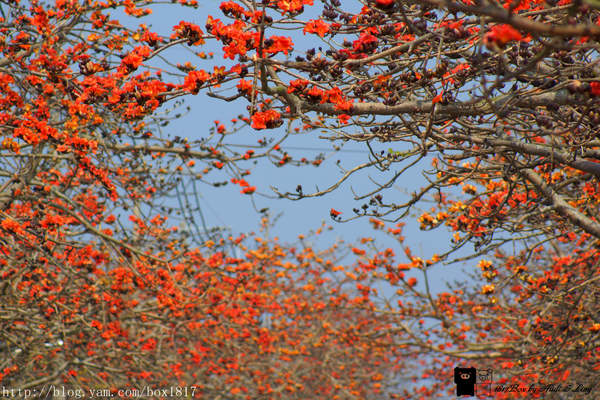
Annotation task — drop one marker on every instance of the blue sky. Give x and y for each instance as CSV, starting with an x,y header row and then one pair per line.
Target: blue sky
x,y
226,207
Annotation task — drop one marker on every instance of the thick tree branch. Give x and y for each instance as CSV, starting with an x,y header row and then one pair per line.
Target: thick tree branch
x,y
560,205
455,110
538,150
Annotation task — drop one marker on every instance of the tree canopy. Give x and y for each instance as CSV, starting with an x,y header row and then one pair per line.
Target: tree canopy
x,y
494,102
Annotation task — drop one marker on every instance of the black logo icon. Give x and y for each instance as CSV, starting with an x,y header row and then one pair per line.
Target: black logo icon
x,y
465,379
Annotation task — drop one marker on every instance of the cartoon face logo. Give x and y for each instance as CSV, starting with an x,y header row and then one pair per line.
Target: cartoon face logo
x,y
465,379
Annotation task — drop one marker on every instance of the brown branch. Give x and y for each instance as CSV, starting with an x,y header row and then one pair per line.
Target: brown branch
x,y
481,107
499,14
397,49
562,207
532,149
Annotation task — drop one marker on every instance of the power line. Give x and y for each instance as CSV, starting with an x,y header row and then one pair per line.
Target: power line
x,y
305,148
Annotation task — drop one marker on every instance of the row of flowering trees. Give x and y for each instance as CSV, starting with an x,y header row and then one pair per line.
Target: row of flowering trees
x,y
497,101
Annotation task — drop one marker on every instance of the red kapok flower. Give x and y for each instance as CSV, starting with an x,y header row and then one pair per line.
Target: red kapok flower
x,y
293,6
316,26
266,119
595,88
245,87
194,80
384,3
501,34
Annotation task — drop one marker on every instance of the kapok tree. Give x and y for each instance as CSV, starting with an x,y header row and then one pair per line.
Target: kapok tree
x,y
485,103
275,322
99,291
500,98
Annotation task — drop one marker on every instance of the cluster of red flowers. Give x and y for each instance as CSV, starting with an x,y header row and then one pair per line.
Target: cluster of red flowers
x,y
317,26
315,94
134,59
187,30
266,119
194,81
293,6
246,188
500,35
